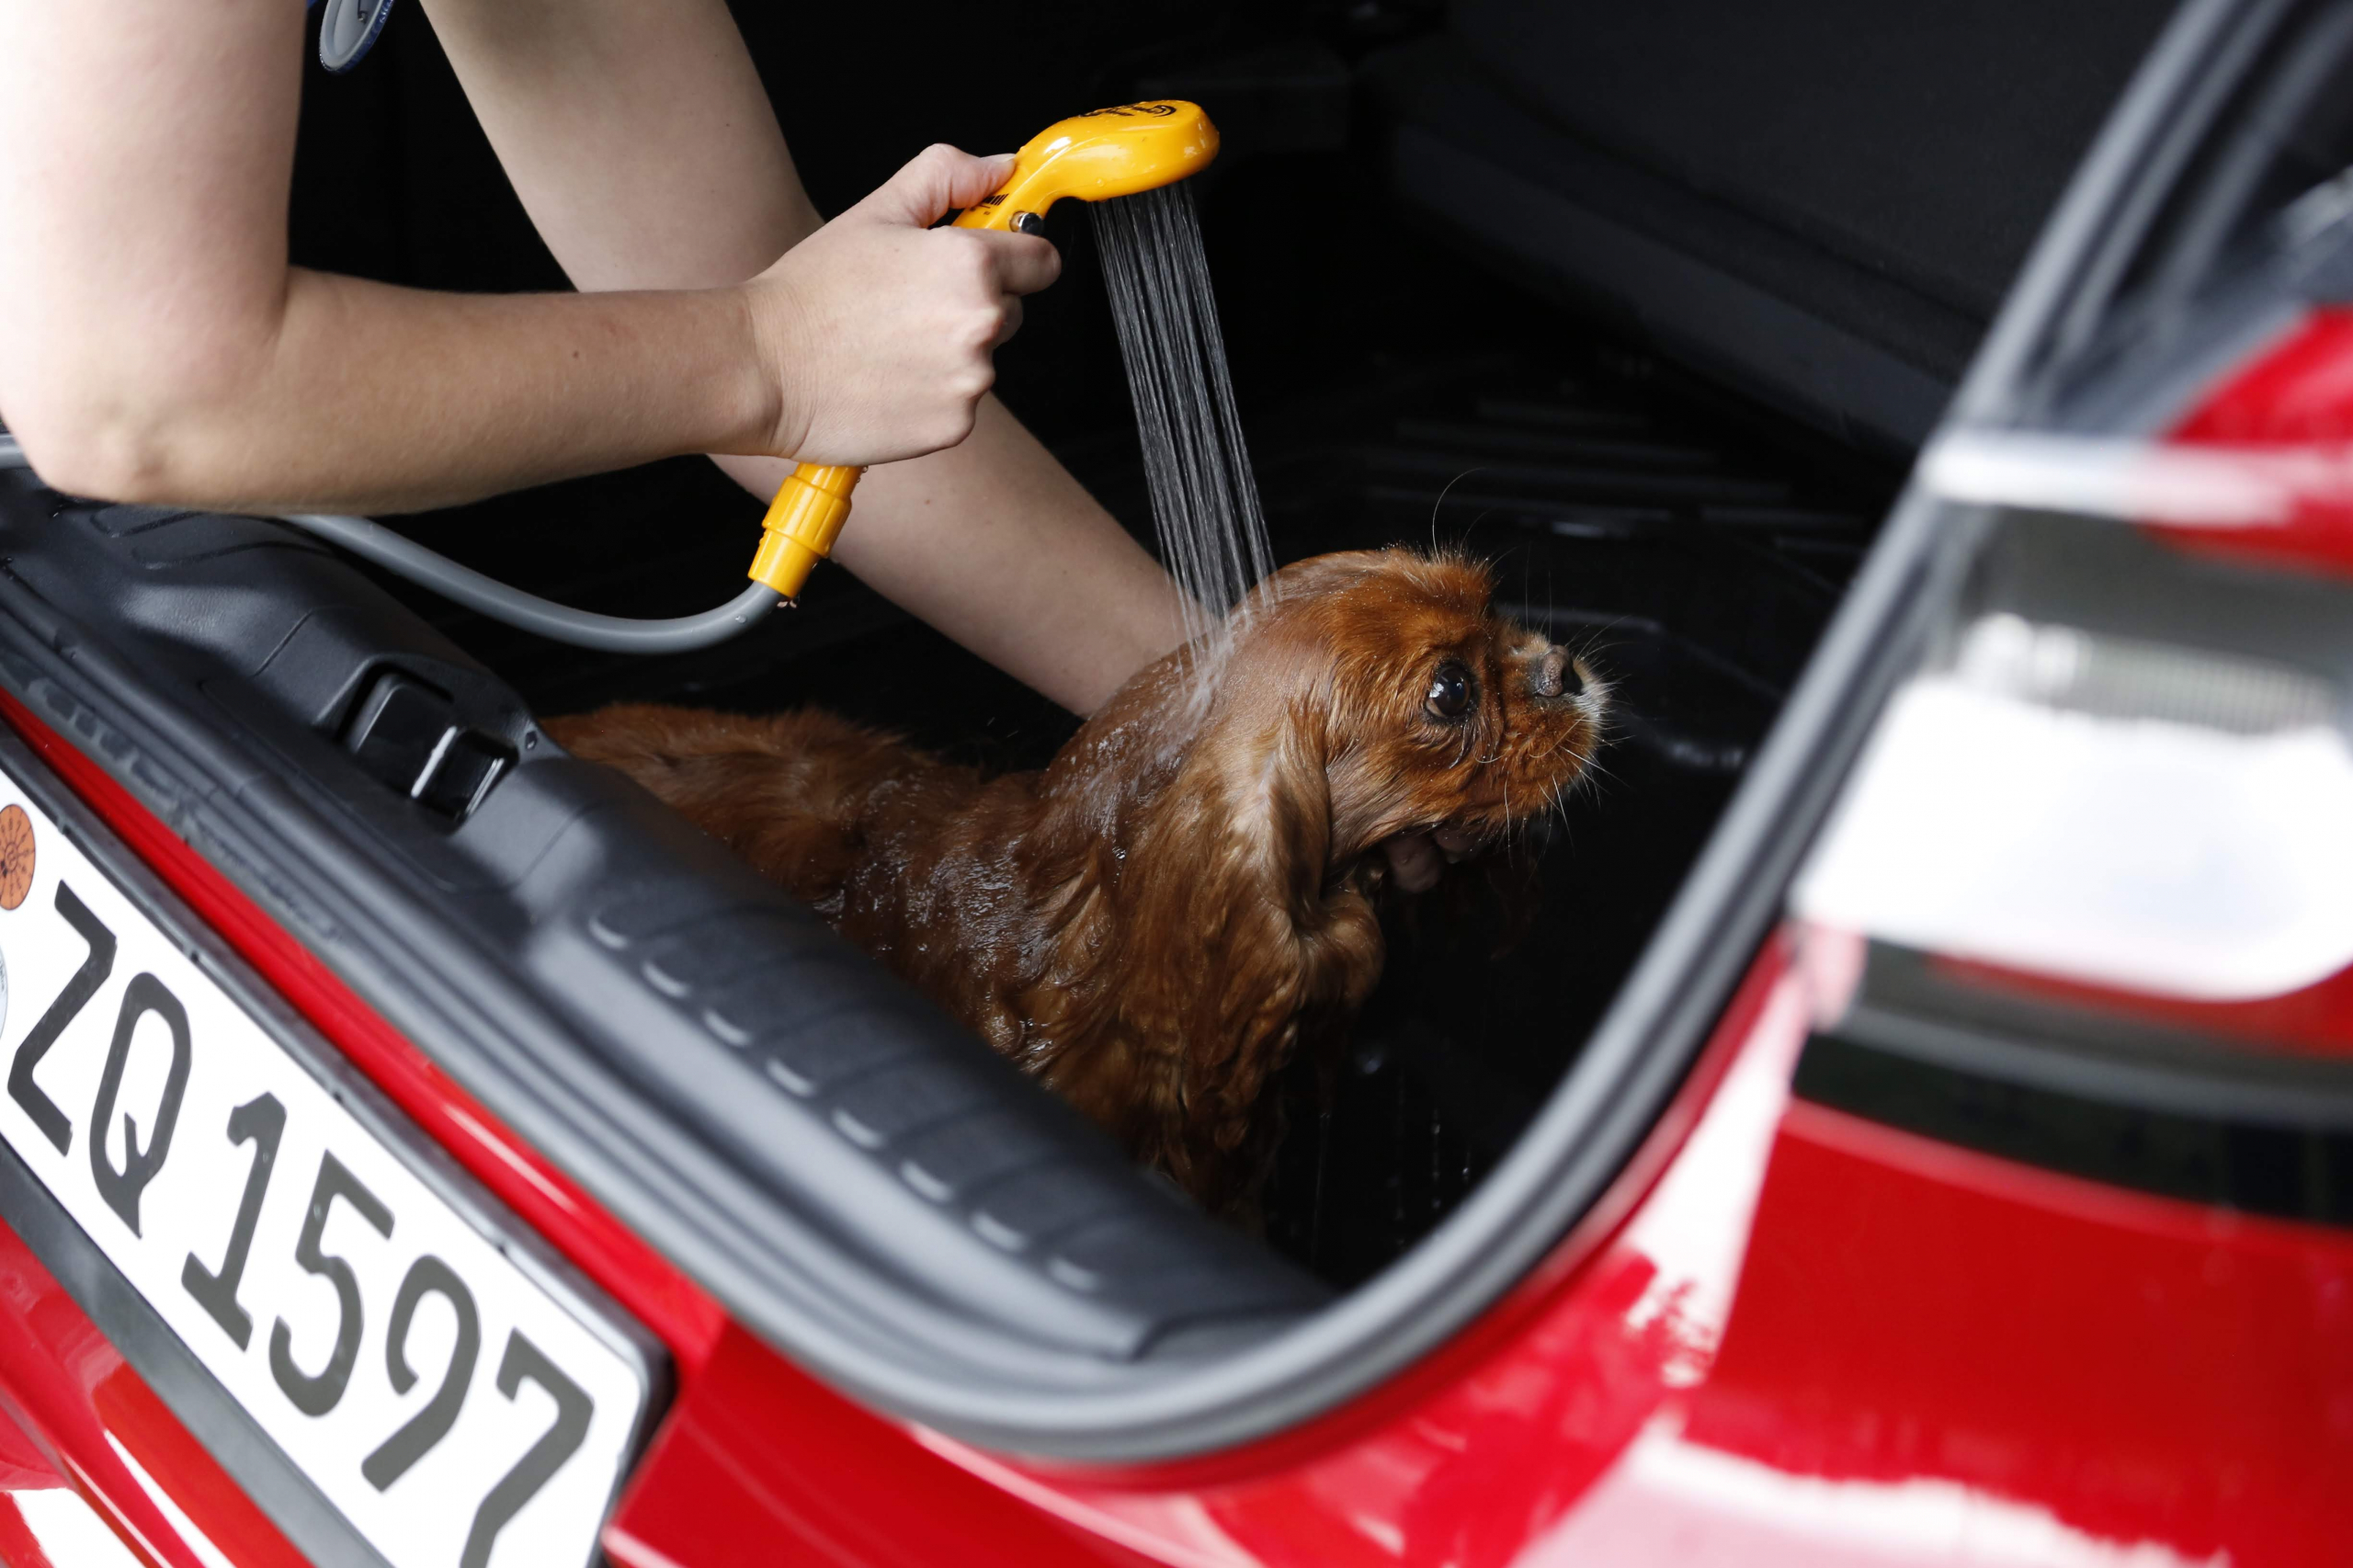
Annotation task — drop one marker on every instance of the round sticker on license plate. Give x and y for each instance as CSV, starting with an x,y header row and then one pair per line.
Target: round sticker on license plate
x,y
448,1403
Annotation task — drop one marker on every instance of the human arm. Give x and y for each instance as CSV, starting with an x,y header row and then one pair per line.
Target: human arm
x,y
647,154
156,345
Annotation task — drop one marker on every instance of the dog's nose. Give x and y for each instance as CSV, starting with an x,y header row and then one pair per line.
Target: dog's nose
x,y
1554,676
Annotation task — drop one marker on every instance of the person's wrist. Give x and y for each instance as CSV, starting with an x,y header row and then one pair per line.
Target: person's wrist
x,y
774,420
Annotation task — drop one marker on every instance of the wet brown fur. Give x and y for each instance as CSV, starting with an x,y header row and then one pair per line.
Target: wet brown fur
x,y
1185,897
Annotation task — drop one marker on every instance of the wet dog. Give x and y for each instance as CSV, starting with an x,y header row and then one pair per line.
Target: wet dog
x,y
1187,897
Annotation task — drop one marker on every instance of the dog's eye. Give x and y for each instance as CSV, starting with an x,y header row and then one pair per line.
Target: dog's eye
x,y
1450,695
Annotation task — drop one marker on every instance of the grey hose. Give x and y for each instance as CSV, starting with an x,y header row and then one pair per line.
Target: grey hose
x,y
584,629
464,585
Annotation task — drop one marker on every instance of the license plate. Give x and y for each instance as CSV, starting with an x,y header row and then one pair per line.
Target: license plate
x,y
449,1395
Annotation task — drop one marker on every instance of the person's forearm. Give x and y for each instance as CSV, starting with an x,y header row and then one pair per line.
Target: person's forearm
x,y
365,397
997,545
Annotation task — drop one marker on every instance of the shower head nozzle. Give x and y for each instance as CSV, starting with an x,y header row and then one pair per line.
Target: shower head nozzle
x,y
1093,156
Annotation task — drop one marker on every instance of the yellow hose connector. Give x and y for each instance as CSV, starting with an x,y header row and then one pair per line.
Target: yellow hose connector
x,y
802,523
1094,156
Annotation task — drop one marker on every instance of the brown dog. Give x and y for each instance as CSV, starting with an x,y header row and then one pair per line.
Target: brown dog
x,y
1185,895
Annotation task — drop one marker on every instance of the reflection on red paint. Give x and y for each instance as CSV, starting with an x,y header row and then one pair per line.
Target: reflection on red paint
x,y
2296,394
19,1549
2145,1371
759,1462
23,1466
2314,1020
146,1432
62,1379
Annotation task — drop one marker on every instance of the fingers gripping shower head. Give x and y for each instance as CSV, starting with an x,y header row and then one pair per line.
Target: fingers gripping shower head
x,y
1096,156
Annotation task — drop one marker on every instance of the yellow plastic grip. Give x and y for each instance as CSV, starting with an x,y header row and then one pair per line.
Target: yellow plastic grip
x,y
802,523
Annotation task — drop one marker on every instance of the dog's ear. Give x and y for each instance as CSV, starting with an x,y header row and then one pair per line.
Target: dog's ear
x,y
1280,950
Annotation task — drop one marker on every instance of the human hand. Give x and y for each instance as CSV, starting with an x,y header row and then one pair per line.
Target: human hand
x,y
878,329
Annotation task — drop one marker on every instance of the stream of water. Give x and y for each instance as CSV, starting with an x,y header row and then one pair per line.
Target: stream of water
x,y
1204,498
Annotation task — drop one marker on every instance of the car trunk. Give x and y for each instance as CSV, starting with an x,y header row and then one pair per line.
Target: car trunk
x,y
1431,347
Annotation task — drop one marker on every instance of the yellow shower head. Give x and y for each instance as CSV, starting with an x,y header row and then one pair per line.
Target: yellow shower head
x,y
1094,156
1100,154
